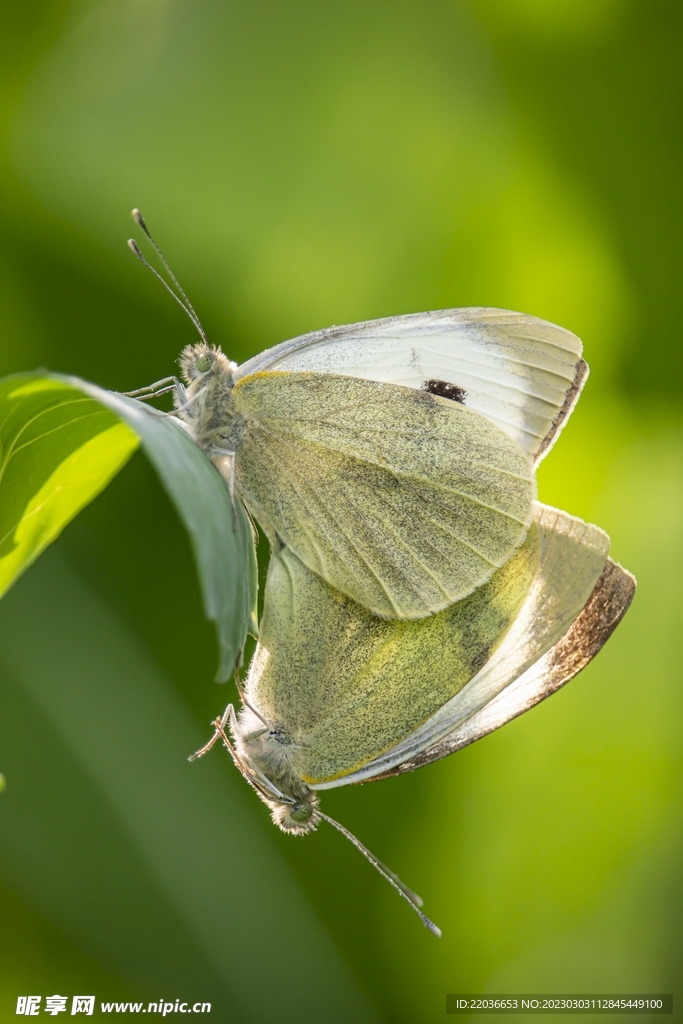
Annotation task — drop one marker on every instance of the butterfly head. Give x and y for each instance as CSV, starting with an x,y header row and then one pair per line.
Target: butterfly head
x,y
202,362
298,818
265,755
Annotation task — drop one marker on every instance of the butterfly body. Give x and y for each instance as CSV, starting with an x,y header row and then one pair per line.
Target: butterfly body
x,y
205,403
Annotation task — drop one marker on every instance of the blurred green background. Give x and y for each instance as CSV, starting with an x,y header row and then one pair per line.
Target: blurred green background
x,y
305,164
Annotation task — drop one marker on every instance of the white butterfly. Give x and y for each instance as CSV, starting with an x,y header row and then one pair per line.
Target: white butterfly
x,y
345,447
336,696
343,444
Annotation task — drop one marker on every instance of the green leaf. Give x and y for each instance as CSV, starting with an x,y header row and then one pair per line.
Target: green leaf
x,y
222,539
59,449
62,442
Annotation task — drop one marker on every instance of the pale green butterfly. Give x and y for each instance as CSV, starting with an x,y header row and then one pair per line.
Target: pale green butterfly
x,y
394,457
336,695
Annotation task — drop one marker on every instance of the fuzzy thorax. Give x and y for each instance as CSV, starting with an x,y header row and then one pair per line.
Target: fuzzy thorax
x,y
205,406
267,753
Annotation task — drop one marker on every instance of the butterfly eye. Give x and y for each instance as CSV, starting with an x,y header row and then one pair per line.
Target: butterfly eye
x,y
205,362
302,812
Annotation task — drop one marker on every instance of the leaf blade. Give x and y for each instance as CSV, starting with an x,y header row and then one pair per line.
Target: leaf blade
x,y
59,451
222,542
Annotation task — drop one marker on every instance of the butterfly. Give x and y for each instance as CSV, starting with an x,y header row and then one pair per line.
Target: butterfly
x,y
395,458
336,696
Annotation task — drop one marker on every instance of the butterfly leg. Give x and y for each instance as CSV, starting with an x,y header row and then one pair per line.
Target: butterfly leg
x,y
238,680
160,387
219,733
252,774
245,702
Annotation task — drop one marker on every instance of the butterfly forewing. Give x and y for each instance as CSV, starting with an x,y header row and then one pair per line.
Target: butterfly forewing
x,y
401,500
586,636
522,373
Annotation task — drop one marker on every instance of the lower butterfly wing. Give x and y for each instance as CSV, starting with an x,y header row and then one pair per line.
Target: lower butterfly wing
x,y
402,501
522,373
338,685
575,602
601,615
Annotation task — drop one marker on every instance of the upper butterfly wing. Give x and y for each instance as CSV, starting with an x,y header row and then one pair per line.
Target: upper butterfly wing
x,y
572,607
400,500
522,373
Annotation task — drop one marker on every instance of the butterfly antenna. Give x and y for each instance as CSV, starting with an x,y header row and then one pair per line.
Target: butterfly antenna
x,y
140,221
408,894
181,298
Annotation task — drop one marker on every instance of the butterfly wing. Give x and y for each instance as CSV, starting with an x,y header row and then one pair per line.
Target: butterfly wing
x,y
401,500
588,633
338,685
574,603
522,373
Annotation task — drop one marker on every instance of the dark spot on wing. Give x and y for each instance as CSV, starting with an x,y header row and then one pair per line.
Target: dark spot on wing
x,y
445,390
